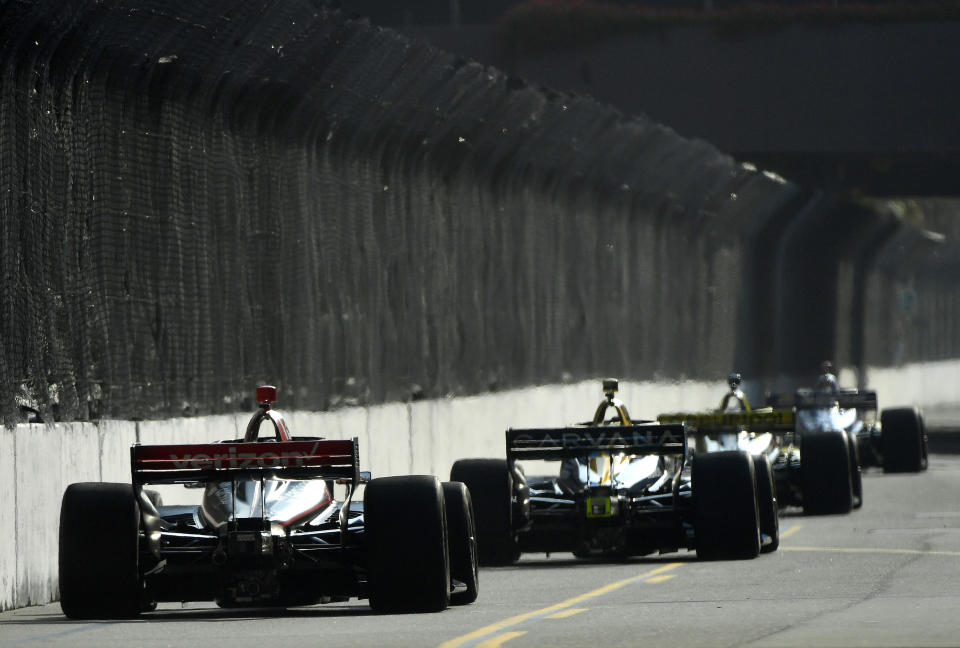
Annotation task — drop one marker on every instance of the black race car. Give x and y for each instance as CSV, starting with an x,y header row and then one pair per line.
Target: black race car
x,y
897,442
264,529
622,489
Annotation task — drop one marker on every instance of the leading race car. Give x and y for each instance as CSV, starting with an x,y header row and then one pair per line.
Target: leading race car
x,y
623,489
267,530
897,442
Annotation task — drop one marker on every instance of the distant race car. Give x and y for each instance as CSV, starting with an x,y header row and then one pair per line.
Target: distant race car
x,y
264,530
815,440
812,457
622,489
897,442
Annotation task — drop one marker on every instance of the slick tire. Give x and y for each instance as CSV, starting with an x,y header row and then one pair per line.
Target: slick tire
x,y
767,503
856,473
902,440
825,473
462,536
726,518
491,487
405,537
925,463
99,552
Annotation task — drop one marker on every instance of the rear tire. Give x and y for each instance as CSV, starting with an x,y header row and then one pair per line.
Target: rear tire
x,y
405,535
902,440
923,437
825,473
725,506
856,474
767,503
491,488
462,536
99,552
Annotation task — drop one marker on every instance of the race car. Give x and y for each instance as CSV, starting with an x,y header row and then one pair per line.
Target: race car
x,y
811,456
264,529
622,489
897,442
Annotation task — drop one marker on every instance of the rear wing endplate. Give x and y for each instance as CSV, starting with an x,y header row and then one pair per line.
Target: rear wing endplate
x,y
580,441
776,421
317,459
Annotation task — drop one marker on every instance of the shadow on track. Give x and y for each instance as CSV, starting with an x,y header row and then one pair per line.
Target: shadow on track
x,y
567,561
175,615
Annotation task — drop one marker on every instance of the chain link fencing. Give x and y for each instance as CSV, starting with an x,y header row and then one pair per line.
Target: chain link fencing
x,y
197,197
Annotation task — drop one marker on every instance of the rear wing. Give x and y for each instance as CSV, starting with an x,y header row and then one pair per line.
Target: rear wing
x,y
808,399
318,459
580,441
776,421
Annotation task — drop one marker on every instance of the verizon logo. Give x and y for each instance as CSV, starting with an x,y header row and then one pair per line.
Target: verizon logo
x,y
236,460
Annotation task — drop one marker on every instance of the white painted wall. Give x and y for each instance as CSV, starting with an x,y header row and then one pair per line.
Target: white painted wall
x,y
929,384
934,386
8,520
37,461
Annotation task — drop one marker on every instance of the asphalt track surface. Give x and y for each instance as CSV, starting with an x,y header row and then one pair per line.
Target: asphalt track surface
x,y
885,575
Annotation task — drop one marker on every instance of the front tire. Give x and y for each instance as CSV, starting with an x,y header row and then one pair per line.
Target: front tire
x,y
405,529
99,552
726,519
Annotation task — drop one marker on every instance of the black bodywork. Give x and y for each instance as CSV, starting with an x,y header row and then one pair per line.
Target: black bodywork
x,y
184,555
648,512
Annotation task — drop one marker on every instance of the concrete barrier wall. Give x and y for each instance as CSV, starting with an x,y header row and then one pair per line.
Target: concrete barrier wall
x,y
934,386
8,520
37,461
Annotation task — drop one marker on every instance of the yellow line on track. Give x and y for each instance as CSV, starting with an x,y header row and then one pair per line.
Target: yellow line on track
x,y
499,640
563,614
659,579
789,532
520,618
868,550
